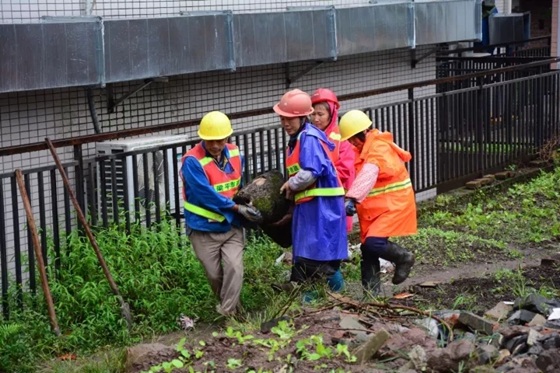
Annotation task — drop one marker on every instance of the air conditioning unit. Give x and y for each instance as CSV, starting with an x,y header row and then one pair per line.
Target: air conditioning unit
x,y
136,178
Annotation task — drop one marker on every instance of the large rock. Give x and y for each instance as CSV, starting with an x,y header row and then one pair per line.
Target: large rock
x,y
549,361
264,193
141,357
405,341
364,352
449,358
536,303
476,323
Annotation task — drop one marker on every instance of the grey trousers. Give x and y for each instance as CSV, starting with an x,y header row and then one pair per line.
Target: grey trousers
x,y
226,280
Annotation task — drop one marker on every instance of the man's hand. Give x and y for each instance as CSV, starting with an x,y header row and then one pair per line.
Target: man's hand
x,y
250,213
350,206
286,219
286,187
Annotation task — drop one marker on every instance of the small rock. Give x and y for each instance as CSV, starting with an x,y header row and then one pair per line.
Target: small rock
x,y
352,323
476,323
538,320
503,175
430,325
370,348
536,303
552,324
405,341
267,326
440,361
461,350
491,177
487,354
521,317
536,350
515,342
502,355
418,358
499,312
520,349
550,341
141,356
475,184
549,361
532,337
513,331
328,316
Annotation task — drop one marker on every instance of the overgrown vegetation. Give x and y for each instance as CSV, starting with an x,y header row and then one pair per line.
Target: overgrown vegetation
x,y
160,278
158,275
488,226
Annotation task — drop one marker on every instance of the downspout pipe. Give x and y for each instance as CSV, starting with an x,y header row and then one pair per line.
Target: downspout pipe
x,y
92,111
507,6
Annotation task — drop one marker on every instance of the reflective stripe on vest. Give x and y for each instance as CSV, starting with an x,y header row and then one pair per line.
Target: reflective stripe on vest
x,y
293,169
224,188
335,136
390,188
319,192
203,212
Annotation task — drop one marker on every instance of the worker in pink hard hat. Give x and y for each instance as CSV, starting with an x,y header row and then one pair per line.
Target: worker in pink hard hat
x,y
325,117
319,237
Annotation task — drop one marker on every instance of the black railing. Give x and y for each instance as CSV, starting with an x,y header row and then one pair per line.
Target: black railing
x,y
453,136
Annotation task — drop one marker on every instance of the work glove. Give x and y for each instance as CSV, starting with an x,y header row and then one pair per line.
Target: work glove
x,y
350,206
250,213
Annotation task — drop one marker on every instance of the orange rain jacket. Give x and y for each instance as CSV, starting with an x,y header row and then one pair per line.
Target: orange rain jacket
x,y
389,210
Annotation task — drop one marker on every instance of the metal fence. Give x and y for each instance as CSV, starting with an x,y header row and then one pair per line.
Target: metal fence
x,y
145,186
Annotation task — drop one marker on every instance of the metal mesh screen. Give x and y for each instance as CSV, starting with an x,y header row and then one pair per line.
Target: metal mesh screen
x,y
16,11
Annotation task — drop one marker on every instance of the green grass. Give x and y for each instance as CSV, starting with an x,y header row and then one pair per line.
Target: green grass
x,y
156,272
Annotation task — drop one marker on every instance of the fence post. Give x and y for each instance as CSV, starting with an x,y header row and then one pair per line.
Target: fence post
x,y
411,137
480,124
79,175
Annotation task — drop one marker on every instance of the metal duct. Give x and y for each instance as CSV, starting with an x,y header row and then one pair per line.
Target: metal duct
x,y
50,55
373,28
153,47
267,38
506,28
80,51
446,21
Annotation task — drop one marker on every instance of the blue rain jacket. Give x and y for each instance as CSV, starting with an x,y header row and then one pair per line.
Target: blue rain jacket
x,y
319,225
201,193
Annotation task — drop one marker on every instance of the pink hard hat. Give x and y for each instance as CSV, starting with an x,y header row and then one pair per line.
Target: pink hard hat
x,y
294,103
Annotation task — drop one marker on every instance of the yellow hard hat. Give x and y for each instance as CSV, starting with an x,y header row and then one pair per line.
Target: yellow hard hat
x,y
215,126
352,123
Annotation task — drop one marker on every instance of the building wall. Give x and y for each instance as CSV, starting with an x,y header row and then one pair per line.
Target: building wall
x,y
29,117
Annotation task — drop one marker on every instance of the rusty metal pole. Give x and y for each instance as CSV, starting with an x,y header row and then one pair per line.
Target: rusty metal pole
x,y
38,252
125,308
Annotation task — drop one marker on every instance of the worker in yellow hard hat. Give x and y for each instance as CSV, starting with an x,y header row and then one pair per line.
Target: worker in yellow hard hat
x,y
211,173
383,197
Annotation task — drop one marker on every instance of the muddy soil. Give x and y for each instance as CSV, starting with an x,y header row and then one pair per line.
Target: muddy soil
x,y
481,294
219,350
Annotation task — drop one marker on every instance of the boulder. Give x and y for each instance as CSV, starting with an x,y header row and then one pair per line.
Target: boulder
x,y
264,193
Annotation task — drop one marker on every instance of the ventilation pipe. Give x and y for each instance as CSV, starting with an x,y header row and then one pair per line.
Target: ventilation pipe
x,y
507,6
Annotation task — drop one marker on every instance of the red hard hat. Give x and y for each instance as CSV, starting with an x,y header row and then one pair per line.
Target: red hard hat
x,y
324,95
294,103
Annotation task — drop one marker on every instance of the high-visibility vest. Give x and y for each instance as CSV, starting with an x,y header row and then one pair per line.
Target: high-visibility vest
x,y
223,183
389,209
292,168
335,137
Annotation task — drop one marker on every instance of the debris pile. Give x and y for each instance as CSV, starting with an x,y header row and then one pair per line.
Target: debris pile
x,y
521,336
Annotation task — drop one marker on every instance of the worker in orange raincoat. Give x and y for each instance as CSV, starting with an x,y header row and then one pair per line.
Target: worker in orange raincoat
x,y
383,197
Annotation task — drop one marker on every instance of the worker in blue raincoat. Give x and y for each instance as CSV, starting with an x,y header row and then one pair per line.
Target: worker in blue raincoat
x,y
319,236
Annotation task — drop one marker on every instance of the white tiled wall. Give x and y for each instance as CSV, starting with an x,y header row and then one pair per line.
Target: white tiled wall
x,y
29,117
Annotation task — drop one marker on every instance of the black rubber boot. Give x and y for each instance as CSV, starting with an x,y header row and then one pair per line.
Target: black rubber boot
x,y
403,261
371,280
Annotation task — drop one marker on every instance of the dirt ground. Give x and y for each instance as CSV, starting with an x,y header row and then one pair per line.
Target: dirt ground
x,y
479,294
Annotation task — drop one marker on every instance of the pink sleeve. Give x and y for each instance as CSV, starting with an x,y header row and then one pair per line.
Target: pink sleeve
x,y
345,164
365,180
